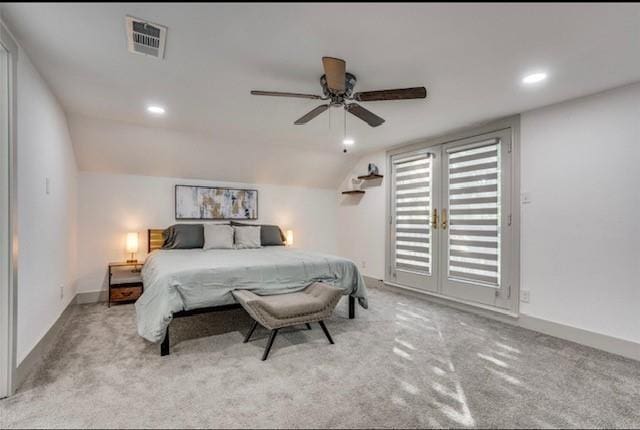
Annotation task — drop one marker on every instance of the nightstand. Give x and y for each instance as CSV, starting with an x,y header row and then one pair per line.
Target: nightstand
x,y
125,282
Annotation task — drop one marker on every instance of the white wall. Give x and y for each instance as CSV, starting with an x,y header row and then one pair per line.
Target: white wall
x,y
46,222
580,252
110,205
580,235
361,219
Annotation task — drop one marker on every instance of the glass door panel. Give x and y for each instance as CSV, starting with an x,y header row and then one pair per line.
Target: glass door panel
x,y
475,217
413,239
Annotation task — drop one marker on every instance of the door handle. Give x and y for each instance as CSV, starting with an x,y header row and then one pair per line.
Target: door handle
x,y
444,219
434,219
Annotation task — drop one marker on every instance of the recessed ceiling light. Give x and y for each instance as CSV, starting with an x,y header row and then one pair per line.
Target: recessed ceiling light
x,y
157,110
348,141
534,78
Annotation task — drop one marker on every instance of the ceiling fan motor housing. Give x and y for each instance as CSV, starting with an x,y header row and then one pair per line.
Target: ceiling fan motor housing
x,y
349,84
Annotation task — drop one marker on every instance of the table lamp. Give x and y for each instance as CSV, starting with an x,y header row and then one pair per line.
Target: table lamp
x,y
132,246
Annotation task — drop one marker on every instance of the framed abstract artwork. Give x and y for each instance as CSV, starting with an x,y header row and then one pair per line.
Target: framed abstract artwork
x,y
196,202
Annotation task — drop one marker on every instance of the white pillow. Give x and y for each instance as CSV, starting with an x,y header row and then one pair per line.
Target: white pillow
x,y
218,236
247,237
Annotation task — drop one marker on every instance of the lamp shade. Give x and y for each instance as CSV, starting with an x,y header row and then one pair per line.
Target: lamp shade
x,y
289,237
132,242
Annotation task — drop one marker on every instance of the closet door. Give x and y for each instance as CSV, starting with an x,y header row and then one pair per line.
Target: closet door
x,y
414,197
476,218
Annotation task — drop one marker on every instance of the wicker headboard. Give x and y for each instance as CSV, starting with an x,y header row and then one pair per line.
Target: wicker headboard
x,y
155,239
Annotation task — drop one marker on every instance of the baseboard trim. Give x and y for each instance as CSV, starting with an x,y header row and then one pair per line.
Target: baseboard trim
x,y
614,345
373,282
610,344
39,353
88,297
484,310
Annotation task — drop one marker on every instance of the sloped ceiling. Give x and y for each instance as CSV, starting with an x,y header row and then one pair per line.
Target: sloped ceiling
x,y
118,147
470,56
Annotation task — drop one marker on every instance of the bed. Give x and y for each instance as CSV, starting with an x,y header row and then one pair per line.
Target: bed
x,y
185,282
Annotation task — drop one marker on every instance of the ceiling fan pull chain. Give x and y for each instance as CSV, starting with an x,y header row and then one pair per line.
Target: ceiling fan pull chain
x,y
344,135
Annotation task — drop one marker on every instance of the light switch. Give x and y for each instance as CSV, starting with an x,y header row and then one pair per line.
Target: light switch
x,y
47,186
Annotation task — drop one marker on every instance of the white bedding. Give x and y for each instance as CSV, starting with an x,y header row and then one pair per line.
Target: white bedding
x,y
176,280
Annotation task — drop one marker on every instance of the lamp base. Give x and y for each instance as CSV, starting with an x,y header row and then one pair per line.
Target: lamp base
x,y
133,259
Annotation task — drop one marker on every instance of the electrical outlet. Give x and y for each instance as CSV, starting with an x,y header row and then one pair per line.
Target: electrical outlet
x,y
61,292
524,298
525,198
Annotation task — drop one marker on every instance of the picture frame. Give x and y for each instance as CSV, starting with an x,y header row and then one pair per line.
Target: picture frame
x,y
208,203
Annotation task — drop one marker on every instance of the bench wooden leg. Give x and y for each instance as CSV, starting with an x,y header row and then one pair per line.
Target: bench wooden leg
x,y
274,332
164,346
326,332
352,307
253,328
308,326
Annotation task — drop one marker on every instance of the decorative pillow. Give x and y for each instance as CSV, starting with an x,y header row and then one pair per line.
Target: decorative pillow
x,y
183,236
247,237
270,235
218,236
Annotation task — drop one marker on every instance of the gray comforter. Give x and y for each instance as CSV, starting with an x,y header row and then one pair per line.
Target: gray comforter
x,y
176,280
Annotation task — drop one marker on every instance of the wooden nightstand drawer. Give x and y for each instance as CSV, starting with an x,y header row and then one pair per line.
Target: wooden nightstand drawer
x,y
121,294
125,282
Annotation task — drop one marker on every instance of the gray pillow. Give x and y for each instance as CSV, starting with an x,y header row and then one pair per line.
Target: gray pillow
x,y
183,236
270,235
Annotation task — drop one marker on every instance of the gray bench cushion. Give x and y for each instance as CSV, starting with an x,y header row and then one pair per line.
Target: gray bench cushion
x,y
314,303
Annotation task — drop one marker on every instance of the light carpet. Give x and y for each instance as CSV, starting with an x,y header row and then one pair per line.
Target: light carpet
x,y
403,363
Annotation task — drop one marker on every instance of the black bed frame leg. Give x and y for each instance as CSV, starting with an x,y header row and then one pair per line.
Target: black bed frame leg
x,y
308,326
352,307
326,332
164,346
274,332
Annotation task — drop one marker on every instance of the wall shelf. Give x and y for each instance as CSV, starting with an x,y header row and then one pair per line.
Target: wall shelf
x,y
353,192
370,177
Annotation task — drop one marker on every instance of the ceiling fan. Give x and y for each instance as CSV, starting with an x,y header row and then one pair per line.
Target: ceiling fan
x,y
337,88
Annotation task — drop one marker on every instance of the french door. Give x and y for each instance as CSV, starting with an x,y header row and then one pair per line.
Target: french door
x,y
451,219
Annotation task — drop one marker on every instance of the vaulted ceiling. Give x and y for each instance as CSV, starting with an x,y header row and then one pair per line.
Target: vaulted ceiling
x,y
471,58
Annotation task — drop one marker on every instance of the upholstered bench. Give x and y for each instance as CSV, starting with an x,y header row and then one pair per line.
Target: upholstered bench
x,y
313,304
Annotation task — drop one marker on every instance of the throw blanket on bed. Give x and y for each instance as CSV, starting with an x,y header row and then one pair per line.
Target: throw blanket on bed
x,y
186,279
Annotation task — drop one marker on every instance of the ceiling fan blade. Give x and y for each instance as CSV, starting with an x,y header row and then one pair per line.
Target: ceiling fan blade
x,y
279,94
311,115
400,94
334,70
367,116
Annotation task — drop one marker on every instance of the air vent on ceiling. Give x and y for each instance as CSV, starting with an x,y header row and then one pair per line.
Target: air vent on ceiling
x,y
145,38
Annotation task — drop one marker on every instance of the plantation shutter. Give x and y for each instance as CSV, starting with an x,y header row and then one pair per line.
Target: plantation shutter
x,y
412,207
474,212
